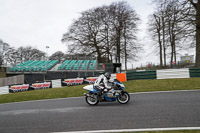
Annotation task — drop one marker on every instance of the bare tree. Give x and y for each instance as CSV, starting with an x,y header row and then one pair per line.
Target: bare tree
x,y
28,53
157,29
171,28
57,56
84,35
129,43
10,56
101,30
196,5
3,50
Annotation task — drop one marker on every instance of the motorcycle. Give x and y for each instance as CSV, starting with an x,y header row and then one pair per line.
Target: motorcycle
x,y
116,93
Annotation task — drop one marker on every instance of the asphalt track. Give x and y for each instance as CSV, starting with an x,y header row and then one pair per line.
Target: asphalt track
x,y
145,110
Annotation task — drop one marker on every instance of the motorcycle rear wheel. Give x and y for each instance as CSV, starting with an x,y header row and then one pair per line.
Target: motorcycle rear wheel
x,y
91,100
123,98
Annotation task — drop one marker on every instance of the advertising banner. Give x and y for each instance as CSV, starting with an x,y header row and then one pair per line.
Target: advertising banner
x,y
70,82
91,80
37,86
17,88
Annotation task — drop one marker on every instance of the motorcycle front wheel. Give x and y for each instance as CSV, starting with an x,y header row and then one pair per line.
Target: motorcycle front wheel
x,y
123,97
92,100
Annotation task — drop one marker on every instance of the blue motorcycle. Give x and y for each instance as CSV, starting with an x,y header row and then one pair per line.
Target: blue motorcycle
x,y
117,93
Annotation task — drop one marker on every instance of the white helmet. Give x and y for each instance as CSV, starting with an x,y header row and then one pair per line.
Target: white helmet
x,y
107,75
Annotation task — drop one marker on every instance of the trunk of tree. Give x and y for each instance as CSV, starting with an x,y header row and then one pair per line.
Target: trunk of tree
x,y
125,52
158,21
165,62
170,40
174,50
126,63
125,45
197,34
116,58
172,55
99,59
108,45
118,47
163,40
160,44
111,58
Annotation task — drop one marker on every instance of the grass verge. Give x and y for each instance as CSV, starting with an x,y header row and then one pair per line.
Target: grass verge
x,y
131,87
162,85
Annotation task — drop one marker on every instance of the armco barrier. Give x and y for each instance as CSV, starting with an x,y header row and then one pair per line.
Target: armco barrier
x,y
134,75
173,73
194,72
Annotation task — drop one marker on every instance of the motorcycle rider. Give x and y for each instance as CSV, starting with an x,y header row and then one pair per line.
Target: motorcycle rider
x,y
102,83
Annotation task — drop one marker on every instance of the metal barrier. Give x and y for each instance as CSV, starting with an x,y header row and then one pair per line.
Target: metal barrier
x,y
134,75
173,73
194,72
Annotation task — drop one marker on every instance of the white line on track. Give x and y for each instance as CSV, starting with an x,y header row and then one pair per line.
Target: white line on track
x,y
136,130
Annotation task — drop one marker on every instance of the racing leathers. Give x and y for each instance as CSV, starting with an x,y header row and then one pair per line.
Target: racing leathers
x,y
102,83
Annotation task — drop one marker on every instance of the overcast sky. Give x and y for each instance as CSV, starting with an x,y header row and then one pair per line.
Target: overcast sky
x,y
41,23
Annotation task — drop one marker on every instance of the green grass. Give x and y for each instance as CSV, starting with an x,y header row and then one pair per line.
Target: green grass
x,y
162,85
131,86
73,91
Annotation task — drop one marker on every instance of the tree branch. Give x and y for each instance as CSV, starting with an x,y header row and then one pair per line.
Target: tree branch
x,y
194,4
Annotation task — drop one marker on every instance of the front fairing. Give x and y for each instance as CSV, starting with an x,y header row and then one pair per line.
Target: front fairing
x,y
90,88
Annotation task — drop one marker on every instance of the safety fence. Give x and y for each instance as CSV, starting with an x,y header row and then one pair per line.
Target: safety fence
x,y
173,73
164,74
194,72
133,75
